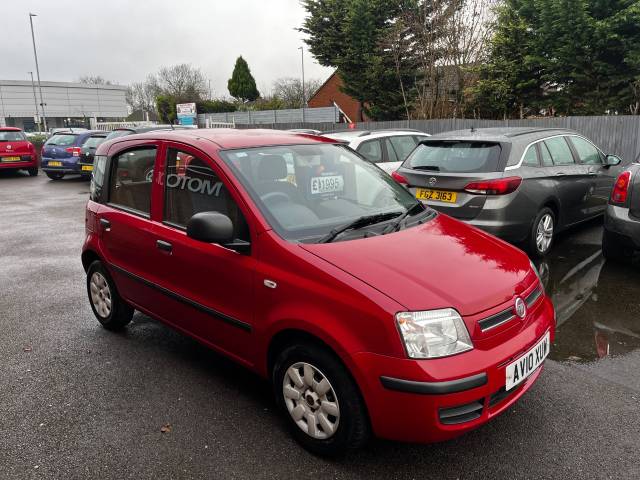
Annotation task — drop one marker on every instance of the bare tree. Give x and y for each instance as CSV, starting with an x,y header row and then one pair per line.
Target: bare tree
x,y
183,82
141,96
289,91
94,80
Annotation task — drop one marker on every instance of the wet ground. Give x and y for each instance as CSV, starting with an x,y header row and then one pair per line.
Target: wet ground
x,y
77,401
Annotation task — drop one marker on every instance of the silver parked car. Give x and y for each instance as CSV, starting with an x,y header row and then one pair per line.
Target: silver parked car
x,y
521,184
621,235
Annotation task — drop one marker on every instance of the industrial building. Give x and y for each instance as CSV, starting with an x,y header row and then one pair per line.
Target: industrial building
x,y
65,104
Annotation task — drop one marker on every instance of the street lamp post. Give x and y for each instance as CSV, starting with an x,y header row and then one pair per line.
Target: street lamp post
x,y
35,100
35,55
304,97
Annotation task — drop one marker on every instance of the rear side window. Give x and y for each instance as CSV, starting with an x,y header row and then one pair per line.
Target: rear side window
x,y
93,142
97,178
587,153
530,158
403,146
131,177
547,161
455,157
371,150
11,136
62,140
560,151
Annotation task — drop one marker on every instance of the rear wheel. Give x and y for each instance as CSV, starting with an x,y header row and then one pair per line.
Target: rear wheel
x,y
542,232
107,305
320,401
33,171
613,248
55,175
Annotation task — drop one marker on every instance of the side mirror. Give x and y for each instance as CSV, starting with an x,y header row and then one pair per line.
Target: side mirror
x,y
210,227
613,160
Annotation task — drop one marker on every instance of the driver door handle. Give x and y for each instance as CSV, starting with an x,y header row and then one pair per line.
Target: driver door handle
x,y
106,224
162,245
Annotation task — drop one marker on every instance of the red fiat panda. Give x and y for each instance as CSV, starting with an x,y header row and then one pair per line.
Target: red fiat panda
x,y
16,152
369,313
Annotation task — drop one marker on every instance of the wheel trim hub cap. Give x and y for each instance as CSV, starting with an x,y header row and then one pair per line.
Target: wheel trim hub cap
x,y
311,400
544,233
100,294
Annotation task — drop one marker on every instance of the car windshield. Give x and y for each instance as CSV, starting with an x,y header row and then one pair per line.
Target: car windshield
x,y
61,139
455,157
11,136
118,133
307,191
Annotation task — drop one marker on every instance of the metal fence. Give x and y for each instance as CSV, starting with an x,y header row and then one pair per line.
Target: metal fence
x,y
618,134
273,117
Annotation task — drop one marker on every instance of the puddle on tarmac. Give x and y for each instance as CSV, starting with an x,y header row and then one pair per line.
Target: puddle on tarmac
x,y
597,302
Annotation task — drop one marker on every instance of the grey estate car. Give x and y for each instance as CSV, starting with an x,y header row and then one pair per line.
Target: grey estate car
x,y
622,219
521,184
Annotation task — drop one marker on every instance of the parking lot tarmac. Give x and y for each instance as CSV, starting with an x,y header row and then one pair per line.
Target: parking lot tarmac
x,y
77,401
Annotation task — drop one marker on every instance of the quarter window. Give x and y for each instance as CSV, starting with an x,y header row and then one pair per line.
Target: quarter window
x,y
131,177
530,158
403,146
587,153
191,187
371,150
560,151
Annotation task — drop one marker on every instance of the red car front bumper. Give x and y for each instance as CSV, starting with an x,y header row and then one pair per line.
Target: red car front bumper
x,y
434,400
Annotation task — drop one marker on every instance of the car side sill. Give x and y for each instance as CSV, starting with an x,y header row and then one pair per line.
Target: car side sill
x,y
198,306
434,388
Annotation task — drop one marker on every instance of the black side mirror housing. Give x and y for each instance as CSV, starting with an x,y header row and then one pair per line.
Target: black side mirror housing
x,y
613,160
210,227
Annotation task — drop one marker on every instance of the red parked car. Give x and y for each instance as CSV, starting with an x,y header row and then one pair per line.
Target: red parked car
x,y
16,152
369,316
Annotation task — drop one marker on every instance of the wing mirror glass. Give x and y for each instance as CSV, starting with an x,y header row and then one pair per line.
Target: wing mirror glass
x,y
613,160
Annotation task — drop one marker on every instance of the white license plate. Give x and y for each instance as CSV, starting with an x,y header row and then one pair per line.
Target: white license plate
x,y
327,184
528,363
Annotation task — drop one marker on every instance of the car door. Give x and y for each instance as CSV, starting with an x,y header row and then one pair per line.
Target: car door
x,y
600,176
211,286
126,229
571,189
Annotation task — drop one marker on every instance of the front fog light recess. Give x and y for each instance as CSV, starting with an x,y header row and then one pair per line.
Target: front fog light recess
x,y
433,333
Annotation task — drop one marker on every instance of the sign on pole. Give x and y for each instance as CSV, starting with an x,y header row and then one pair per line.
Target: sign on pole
x,y
186,113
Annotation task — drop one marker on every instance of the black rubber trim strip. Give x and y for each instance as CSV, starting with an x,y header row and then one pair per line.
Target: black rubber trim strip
x,y
198,306
533,296
434,388
496,320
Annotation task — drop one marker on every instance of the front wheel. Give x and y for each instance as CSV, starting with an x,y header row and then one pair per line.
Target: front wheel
x,y
542,232
110,309
55,175
320,401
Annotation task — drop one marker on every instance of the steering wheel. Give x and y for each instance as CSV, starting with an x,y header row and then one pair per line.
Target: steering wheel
x,y
277,196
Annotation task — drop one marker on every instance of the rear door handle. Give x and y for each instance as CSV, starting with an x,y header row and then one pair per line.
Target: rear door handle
x,y
560,174
106,224
162,245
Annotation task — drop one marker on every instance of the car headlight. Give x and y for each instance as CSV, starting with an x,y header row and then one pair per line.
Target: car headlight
x,y
433,333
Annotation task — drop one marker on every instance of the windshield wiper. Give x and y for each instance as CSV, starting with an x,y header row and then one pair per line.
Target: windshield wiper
x,y
431,168
358,223
395,226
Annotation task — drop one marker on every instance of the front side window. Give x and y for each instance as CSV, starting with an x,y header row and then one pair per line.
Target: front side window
x,y
191,186
306,191
131,179
587,153
371,150
560,151
455,156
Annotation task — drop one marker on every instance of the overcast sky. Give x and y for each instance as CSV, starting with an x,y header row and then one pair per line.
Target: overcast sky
x,y
124,40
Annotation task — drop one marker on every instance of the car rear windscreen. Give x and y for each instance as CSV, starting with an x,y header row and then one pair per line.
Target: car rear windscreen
x,y
455,157
11,136
62,140
118,133
93,141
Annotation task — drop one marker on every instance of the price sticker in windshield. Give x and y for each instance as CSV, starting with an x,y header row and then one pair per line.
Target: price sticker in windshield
x,y
327,184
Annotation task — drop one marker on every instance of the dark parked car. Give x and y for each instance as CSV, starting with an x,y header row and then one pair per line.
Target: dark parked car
x,y
622,219
521,184
88,151
62,153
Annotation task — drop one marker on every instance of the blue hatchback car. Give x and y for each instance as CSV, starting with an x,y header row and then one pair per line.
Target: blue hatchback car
x,y
64,151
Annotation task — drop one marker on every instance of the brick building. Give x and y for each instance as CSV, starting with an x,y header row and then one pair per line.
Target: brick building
x,y
330,95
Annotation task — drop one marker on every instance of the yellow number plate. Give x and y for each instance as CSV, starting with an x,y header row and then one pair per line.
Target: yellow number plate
x,y
87,168
10,159
55,164
440,195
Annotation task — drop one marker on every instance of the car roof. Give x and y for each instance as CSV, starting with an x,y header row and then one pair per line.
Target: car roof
x,y
353,134
503,134
230,138
77,132
10,129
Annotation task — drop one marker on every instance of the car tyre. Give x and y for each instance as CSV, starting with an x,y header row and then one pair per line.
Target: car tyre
x,y
542,233
110,309
33,172
55,175
613,248
320,400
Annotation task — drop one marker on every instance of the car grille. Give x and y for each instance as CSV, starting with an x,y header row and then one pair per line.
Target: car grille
x,y
501,395
462,413
507,314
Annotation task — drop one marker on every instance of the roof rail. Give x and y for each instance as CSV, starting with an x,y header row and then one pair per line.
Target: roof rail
x,y
534,130
398,130
360,133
